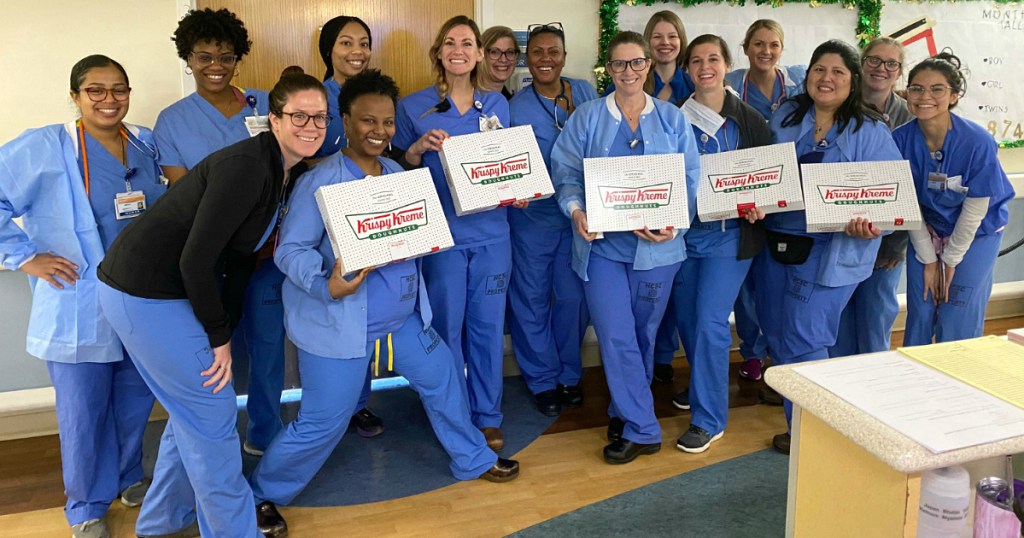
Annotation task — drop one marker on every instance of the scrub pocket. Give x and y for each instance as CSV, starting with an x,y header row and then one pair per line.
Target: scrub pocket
x,y
789,249
948,198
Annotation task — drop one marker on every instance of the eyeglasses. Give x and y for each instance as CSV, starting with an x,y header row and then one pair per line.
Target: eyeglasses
x,y
555,27
937,91
204,58
510,54
636,64
301,119
875,61
97,94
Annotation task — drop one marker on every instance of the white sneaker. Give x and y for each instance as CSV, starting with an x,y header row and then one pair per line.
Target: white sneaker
x,y
251,449
94,528
132,495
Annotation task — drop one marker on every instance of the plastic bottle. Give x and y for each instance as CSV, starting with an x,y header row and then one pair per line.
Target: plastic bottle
x,y
945,500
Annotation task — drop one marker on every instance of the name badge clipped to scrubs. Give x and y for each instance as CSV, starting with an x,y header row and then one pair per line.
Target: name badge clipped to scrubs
x,y
255,124
937,180
129,204
487,123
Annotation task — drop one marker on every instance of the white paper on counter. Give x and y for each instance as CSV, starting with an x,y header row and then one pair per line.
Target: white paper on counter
x,y
931,408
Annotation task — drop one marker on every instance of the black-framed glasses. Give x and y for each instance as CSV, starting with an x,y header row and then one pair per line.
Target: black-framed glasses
x,y
636,64
875,61
937,91
205,58
510,54
301,119
97,94
555,27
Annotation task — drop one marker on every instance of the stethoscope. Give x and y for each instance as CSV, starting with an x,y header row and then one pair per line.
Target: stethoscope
x,y
705,138
778,79
554,113
129,172
444,105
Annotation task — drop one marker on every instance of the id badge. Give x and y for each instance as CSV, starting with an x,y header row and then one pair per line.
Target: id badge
x,y
128,205
489,123
937,181
257,124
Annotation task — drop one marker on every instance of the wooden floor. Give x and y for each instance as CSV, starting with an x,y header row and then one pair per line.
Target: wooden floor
x,y
561,471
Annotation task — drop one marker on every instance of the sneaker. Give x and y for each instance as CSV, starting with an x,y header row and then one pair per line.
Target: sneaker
x,y
682,400
132,495
768,396
367,424
697,440
94,528
251,449
663,373
751,369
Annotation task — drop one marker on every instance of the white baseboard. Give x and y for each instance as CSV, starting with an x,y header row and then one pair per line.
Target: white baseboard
x,y
30,412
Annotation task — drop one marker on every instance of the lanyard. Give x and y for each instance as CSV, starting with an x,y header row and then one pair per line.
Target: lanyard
x,y
778,79
128,172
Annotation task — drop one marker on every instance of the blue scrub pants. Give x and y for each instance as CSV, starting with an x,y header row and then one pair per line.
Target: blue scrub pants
x,y
263,325
666,341
964,315
467,295
548,310
626,306
199,466
706,294
330,390
866,323
800,319
102,411
753,344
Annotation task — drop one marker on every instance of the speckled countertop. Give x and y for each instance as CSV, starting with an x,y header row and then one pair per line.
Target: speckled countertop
x,y
888,445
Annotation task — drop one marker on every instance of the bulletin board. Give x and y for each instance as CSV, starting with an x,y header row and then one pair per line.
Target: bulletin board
x,y
986,35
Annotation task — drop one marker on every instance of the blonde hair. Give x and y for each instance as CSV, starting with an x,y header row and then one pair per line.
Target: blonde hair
x,y
885,40
489,38
435,49
673,19
763,24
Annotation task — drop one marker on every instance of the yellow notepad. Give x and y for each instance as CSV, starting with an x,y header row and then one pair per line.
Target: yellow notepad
x,y
989,363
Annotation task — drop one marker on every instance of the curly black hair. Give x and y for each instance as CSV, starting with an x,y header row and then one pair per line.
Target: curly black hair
x,y
221,26
369,82
949,66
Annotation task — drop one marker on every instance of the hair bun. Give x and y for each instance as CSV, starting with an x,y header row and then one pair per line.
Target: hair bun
x,y
947,55
292,71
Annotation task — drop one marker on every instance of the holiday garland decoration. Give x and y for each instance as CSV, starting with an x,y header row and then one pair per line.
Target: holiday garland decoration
x,y
869,16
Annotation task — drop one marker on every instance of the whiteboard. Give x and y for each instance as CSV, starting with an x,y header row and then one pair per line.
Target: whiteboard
x,y
806,27
987,37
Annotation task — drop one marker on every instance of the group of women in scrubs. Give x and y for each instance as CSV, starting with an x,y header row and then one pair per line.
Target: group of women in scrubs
x,y
176,281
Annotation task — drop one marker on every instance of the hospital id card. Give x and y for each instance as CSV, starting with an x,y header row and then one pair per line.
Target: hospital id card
x,y
257,124
128,205
937,181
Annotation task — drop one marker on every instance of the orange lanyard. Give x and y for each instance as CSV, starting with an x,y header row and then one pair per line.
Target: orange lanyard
x,y
85,155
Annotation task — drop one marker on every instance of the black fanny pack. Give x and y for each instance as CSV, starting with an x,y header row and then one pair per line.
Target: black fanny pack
x,y
789,249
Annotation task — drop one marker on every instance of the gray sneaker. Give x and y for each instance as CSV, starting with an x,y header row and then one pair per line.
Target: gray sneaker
x,y
697,440
682,400
94,528
132,495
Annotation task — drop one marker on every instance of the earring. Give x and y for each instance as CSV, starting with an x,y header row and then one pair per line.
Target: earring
x,y
188,70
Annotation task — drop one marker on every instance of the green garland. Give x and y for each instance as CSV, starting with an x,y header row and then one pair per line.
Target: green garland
x,y
869,16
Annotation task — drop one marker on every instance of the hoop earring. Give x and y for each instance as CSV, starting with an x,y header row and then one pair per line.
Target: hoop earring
x,y
188,70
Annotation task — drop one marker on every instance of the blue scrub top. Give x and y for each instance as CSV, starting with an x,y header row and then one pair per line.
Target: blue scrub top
x,y
394,284
719,238
335,138
789,82
107,180
621,246
969,152
191,129
527,107
470,230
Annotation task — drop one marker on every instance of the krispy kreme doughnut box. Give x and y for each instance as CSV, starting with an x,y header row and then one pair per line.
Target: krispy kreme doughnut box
x,y
495,168
382,219
732,182
629,193
882,191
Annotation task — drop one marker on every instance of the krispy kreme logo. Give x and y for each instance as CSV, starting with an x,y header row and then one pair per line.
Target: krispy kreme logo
x,y
648,197
490,172
389,223
871,194
744,181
